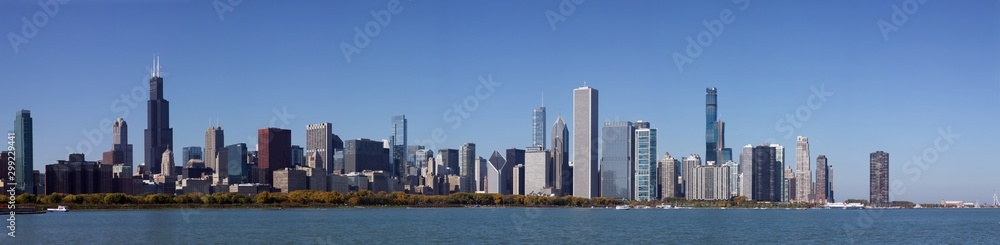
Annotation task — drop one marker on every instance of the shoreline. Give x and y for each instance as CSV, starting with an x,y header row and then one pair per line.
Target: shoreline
x,y
42,208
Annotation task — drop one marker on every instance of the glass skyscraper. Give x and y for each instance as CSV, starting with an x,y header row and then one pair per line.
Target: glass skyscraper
x,y
538,127
617,169
24,153
237,163
397,149
711,128
646,180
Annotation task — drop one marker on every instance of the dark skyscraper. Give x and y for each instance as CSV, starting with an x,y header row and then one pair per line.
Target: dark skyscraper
x,y
449,159
159,135
766,174
24,152
879,186
560,158
822,185
274,152
365,154
237,163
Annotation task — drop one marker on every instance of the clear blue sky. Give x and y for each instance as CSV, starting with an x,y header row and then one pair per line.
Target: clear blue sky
x,y
939,70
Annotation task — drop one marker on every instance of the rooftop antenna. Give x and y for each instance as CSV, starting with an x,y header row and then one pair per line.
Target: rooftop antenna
x,y
543,99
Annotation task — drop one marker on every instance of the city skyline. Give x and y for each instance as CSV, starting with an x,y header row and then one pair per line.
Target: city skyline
x,y
859,92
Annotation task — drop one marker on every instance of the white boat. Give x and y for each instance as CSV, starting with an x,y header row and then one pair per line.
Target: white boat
x,y
59,209
664,206
623,207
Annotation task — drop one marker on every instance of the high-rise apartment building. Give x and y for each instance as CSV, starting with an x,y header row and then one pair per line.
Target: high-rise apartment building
x,y
646,181
879,179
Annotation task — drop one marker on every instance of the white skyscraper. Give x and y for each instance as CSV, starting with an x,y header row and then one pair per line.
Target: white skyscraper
x,y
537,171
585,113
746,172
803,173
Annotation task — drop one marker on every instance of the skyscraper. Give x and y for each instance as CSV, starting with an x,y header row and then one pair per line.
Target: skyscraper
x,y
538,127
159,135
237,163
24,145
191,152
617,167
298,156
449,159
562,173
711,128
121,150
687,172
365,154
537,171
668,177
167,168
585,113
214,141
499,174
515,157
397,149
274,152
766,174
879,179
646,180
803,173
746,172
467,157
319,140
822,186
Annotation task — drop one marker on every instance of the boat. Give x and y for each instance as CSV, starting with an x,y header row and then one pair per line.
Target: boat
x,y
623,207
59,209
664,206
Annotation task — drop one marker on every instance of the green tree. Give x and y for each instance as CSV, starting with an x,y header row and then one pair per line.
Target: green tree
x,y
26,199
54,198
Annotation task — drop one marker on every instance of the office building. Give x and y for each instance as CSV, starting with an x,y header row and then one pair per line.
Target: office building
x,y
192,152
467,159
562,173
482,171
538,127
646,181
24,152
159,136
499,175
319,140
237,163
788,185
365,154
397,148
617,166
586,183
290,179
298,156
767,177
518,180
274,152
537,171
78,176
879,179
121,150
449,159
803,173
711,125
214,143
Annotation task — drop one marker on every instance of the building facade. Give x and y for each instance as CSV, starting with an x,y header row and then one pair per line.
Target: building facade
x,y
822,186
274,152
767,177
617,156
803,173
467,160
538,127
537,171
397,149
158,135
319,141
24,152
646,181
879,179
586,183
562,173
668,177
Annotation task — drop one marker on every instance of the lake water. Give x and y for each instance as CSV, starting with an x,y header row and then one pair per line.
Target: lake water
x,y
508,225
